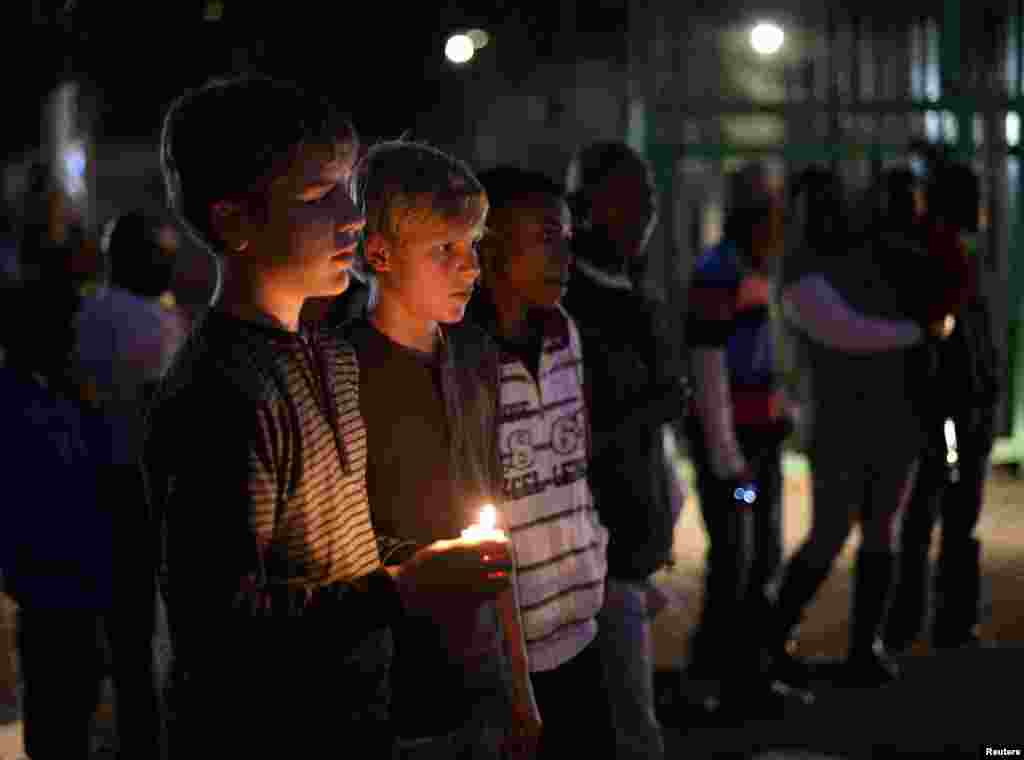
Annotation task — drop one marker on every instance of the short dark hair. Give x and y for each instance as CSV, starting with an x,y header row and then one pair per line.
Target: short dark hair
x,y
135,257
748,203
826,226
897,209
592,165
224,140
507,186
954,196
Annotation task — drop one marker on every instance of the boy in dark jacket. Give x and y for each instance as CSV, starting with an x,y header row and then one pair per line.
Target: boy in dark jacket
x,y
961,408
279,604
633,396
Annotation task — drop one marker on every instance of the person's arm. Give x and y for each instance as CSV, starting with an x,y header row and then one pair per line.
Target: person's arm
x,y
523,734
709,326
815,307
220,507
714,407
526,718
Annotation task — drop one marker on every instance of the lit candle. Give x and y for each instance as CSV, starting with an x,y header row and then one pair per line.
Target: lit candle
x,y
485,530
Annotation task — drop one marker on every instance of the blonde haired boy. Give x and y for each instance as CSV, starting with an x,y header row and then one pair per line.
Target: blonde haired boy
x,y
429,394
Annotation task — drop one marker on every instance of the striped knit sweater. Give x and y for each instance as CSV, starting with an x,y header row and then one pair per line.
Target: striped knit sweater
x,y
558,537
256,459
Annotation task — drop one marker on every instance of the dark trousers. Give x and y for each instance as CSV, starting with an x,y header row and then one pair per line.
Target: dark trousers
x,y
130,628
281,688
65,655
62,661
958,505
745,544
574,708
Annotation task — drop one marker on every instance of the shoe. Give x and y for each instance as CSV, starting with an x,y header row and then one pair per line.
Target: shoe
x,y
789,670
867,664
764,700
869,669
958,596
967,640
898,641
702,670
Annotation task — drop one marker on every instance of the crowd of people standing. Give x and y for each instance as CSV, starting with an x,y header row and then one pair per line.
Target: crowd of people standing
x,y
285,497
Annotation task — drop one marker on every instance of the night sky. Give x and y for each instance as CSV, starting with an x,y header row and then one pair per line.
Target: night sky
x,y
383,60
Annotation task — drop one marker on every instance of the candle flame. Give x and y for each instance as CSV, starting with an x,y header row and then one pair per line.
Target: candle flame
x,y
488,517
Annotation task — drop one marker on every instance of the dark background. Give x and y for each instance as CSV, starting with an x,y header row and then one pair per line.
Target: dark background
x,y
384,60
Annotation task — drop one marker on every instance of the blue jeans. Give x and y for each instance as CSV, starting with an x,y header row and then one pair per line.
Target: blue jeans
x,y
624,636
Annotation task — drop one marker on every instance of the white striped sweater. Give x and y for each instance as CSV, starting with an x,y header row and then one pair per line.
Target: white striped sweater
x,y
558,538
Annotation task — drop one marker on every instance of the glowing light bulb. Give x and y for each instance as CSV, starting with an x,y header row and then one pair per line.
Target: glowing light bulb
x,y
459,48
766,38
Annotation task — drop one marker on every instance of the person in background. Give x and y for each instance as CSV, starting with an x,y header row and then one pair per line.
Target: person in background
x,y
129,329
963,401
846,292
544,436
741,418
634,394
128,333
56,548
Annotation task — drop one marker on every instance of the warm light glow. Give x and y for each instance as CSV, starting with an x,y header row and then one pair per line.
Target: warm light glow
x,y
459,48
766,38
485,530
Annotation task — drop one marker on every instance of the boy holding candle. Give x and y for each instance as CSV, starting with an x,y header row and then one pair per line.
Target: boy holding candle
x,y
279,604
428,392
558,537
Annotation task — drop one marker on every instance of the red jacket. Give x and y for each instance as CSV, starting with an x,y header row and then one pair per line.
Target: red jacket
x,y
953,278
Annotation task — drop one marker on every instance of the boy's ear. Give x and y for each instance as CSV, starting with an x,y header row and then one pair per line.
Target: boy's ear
x,y
228,221
378,252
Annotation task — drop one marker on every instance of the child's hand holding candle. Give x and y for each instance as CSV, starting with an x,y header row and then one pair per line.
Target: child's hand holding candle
x,y
474,567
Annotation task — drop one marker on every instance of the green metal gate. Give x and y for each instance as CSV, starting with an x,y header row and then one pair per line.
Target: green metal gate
x,y
975,124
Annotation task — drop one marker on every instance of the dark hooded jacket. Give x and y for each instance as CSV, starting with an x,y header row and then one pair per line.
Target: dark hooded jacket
x,y
631,395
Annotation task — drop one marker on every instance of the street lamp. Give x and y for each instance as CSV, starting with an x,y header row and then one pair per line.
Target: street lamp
x,y
459,48
766,38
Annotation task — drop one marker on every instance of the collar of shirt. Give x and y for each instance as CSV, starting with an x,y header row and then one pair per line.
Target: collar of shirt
x,y
602,278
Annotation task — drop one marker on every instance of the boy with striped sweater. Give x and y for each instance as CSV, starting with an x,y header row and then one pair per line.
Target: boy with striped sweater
x,y
280,607
544,438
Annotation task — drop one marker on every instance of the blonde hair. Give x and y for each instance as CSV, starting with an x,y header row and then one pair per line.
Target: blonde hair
x,y
411,187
